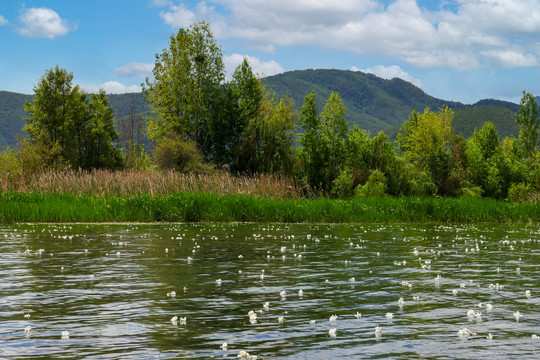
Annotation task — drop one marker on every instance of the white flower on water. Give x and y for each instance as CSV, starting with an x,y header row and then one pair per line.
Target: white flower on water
x,y
183,320
300,293
174,319
218,282
517,315
283,293
528,293
27,316
534,337
280,319
489,307
223,346
171,294
266,305
357,315
389,316
401,302
65,334
27,329
333,318
378,331
332,332
490,337
465,333
252,317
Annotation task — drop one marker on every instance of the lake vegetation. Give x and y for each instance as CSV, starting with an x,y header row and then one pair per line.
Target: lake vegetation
x,y
211,137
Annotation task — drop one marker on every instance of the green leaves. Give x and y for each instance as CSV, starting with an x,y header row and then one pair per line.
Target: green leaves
x,y
80,128
527,119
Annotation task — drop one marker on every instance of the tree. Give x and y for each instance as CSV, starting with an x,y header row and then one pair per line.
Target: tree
x,y
485,159
57,104
426,139
184,92
313,153
334,133
527,119
69,126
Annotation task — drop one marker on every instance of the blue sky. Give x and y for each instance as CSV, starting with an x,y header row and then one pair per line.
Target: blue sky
x,y
461,50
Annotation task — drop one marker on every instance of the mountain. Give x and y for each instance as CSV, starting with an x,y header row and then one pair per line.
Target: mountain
x,y
376,104
373,103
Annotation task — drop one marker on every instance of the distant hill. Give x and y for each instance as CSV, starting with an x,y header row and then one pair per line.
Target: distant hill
x,y
373,103
376,104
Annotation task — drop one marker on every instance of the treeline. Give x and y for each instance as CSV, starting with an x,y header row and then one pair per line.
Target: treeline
x,y
201,124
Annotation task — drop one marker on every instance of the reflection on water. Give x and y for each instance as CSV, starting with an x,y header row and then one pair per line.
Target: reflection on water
x,y
271,290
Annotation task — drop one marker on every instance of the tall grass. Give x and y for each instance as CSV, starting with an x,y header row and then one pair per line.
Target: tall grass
x,y
103,183
195,207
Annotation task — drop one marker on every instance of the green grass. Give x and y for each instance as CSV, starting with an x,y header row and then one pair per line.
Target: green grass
x,y
195,207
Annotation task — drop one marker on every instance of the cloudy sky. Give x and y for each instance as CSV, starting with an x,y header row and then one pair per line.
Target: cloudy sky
x,y
462,50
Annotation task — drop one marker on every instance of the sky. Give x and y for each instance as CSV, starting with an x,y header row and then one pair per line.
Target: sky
x,y
459,50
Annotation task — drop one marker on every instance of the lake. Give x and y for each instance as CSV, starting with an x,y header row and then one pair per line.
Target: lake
x,y
275,291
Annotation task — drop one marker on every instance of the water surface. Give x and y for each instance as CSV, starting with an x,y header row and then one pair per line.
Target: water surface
x,y
110,287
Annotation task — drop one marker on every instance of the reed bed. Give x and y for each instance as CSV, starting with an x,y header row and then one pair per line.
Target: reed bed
x,y
197,207
105,183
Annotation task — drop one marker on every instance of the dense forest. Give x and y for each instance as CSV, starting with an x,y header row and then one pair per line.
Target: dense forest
x,y
338,133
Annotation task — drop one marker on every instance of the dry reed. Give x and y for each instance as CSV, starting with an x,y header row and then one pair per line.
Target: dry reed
x,y
103,183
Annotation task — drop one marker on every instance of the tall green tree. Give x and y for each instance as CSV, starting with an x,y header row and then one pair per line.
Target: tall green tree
x,y
426,140
313,153
527,119
486,163
79,129
334,131
185,87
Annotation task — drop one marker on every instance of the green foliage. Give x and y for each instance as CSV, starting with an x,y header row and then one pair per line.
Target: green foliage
x,y
323,141
312,154
520,192
181,155
527,119
184,90
426,140
136,157
485,159
374,187
65,125
343,185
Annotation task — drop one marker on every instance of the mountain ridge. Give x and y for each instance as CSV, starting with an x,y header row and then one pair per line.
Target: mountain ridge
x,y
373,103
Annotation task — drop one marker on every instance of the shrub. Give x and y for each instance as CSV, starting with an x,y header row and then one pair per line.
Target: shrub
x,y
342,186
520,192
172,153
375,186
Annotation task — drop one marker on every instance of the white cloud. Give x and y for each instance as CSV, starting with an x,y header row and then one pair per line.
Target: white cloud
x,y
465,36
135,68
262,68
390,72
178,16
3,21
43,23
111,87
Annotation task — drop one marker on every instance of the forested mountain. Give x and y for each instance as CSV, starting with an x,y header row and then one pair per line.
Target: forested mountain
x,y
372,103
376,104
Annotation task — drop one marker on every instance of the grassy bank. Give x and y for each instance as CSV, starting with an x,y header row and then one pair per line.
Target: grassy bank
x,y
194,207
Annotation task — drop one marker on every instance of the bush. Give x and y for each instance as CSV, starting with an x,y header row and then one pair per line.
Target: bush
x,y
374,187
520,192
468,190
172,153
342,186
